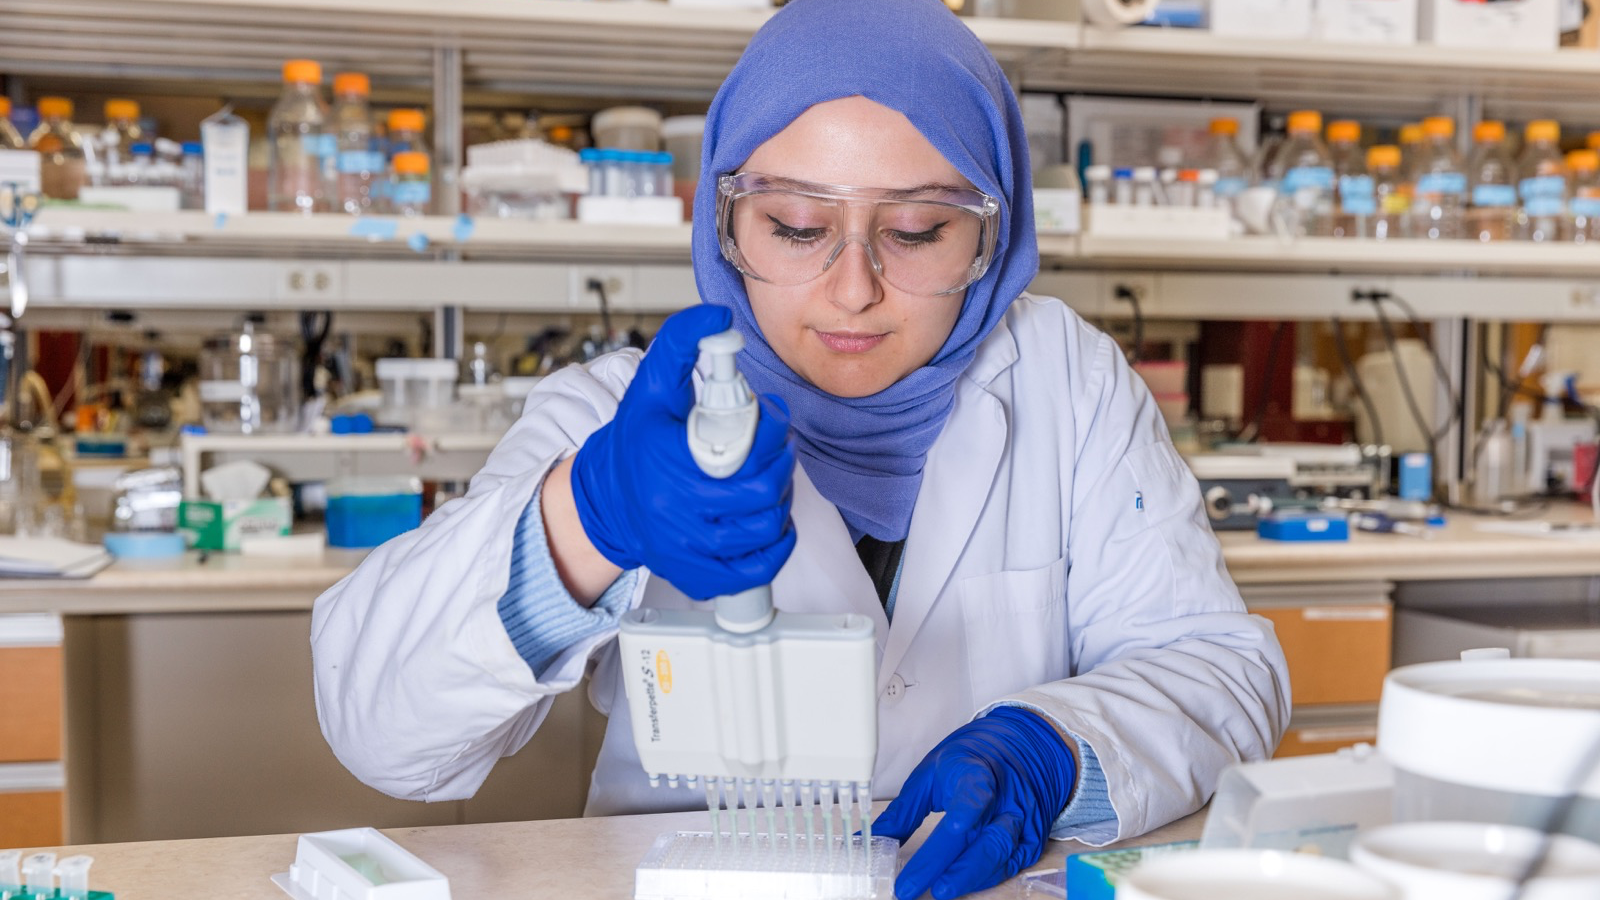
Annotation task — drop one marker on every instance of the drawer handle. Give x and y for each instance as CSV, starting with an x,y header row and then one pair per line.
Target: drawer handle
x,y
1346,613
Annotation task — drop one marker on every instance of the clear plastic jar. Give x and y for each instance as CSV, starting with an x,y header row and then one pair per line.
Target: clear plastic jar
x,y
249,384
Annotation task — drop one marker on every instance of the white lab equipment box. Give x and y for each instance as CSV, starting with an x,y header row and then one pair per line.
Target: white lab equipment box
x,y
1261,18
1365,21
1505,24
1543,632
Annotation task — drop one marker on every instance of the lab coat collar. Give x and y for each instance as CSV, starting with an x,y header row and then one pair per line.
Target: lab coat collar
x,y
956,483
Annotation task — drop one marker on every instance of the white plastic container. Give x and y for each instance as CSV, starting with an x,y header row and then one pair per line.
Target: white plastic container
x,y
627,128
1365,21
1250,875
359,864
1290,19
1499,740
1302,803
413,386
1507,25
1471,861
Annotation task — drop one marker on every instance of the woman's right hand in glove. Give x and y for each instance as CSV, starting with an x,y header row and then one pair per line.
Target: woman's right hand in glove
x,y
642,500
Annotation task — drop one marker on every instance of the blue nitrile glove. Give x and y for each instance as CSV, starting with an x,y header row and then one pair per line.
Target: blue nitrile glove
x,y
1001,781
643,501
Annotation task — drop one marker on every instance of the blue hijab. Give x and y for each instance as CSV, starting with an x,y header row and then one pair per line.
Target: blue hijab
x,y
866,455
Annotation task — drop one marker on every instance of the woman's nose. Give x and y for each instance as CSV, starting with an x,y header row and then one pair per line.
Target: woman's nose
x,y
853,283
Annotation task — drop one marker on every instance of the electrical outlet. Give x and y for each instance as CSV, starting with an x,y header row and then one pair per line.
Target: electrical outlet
x,y
617,281
311,282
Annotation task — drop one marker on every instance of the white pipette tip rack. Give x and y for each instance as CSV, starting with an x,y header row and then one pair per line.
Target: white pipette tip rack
x,y
701,865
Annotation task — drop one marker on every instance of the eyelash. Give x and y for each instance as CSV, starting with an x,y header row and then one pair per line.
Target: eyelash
x,y
803,236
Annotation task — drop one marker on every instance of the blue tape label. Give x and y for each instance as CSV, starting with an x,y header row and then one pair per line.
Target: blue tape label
x,y
1494,196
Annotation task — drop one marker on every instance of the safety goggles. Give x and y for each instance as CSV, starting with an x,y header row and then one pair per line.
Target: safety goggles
x,y
925,241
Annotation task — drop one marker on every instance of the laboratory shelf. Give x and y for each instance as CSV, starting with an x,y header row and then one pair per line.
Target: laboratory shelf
x,y
445,457
655,51
69,229
87,259
1270,254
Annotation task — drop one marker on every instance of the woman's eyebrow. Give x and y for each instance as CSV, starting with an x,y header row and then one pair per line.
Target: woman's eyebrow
x,y
931,187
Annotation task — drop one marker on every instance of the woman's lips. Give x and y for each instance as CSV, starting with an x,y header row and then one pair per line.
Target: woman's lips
x,y
849,342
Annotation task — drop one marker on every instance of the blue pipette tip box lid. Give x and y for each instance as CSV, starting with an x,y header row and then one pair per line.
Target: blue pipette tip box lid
x,y
1095,875
1303,527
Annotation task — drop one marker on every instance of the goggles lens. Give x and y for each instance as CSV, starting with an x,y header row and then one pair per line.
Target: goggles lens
x,y
791,234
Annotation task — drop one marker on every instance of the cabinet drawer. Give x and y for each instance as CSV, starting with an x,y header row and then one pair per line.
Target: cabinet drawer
x,y
31,702
1338,653
31,819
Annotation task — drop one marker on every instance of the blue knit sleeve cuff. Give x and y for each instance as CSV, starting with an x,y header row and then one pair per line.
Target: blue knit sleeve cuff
x,y
1091,798
541,617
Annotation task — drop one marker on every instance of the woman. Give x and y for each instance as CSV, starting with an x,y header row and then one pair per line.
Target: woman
x,y
1063,653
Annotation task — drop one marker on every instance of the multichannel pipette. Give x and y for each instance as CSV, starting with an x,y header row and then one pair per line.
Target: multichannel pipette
x,y
773,714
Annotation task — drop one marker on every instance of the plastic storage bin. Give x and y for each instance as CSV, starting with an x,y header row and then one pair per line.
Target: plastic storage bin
x,y
365,511
683,137
413,386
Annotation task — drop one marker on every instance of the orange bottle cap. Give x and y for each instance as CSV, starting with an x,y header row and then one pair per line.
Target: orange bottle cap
x,y
1383,155
55,107
121,109
405,120
1544,130
1302,121
1583,160
1592,140
1224,126
411,163
5,106
1439,126
1411,134
302,71
1344,131
1484,132
352,83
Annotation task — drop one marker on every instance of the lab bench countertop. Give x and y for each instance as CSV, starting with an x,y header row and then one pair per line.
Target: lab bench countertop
x,y
560,859
227,582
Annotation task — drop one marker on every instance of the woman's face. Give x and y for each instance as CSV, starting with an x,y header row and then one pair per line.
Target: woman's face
x,y
848,331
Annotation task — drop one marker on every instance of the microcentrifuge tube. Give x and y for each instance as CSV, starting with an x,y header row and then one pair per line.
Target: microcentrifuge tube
x,y
39,874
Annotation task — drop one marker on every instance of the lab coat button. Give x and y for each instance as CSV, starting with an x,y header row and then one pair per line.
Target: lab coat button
x,y
896,689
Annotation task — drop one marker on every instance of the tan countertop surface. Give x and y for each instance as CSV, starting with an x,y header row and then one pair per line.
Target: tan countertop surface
x,y
562,858
225,582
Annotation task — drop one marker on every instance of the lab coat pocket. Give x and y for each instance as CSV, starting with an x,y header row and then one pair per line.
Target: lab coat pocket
x,y
1016,624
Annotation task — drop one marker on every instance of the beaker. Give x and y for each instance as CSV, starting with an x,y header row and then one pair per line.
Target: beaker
x,y
249,384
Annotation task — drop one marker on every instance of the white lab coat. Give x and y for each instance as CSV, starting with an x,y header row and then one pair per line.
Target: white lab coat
x,y
1058,557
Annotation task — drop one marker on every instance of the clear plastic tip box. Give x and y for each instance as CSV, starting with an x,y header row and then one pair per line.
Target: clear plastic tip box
x,y
697,865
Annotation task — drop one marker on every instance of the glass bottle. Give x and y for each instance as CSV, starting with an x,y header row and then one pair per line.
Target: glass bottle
x,y
60,147
1411,139
411,189
300,145
1357,203
1304,175
1584,189
1391,194
1492,185
1441,186
192,176
122,131
359,163
1223,155
10,138
1543,183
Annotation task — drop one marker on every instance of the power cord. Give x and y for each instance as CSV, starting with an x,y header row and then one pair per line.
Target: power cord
x,y
599,287
1356,381
1131,297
